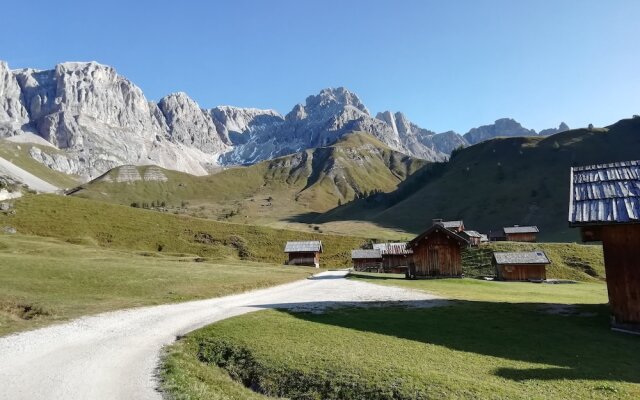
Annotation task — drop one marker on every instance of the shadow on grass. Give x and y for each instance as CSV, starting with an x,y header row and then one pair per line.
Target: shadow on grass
x,y
579,346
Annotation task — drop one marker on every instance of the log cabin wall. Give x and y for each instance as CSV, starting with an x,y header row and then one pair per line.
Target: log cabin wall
x,y
437,255
304,258
367,264
621,245
521,237
521,272
390,261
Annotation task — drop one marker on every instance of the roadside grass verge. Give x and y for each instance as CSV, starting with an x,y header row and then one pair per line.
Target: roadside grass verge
x,y
44,280
467,350
495,291
113,226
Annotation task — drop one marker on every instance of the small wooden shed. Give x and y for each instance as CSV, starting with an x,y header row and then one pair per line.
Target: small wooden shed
x,y
605,203
395,256
496,235
519,233
367,260
437,252
304,253
521,266
473,237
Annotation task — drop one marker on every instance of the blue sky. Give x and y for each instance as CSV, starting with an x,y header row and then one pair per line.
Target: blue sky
x,y
446,64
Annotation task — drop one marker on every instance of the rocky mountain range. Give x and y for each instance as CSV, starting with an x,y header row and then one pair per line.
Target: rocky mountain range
x,y
99,120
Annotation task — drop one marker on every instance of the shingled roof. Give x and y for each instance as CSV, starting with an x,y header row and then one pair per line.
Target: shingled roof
x,y
393,249
310,246
605,193
365,254
438,228
520,229
525,257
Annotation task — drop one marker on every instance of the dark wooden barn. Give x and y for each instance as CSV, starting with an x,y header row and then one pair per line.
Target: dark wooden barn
x,y
521,266
518,233
395,256
474,238
436,253
496,235
367,260
605,203
304,253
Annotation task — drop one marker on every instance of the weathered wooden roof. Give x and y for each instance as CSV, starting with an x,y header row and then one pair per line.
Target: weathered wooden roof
x,y
520,229
438,228
605,193
452,224
524,257
393,249
475,234
365,254
484,238
310,246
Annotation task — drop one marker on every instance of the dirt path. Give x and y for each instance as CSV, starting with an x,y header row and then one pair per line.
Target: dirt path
x,y
115,355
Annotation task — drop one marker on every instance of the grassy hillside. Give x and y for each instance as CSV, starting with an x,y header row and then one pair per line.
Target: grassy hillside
x,y
498,183
46,280
83,221
532,342
18,154
272,191
568,260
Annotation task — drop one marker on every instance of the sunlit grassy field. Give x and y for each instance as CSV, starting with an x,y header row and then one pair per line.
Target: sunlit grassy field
x,y
497,341
46,280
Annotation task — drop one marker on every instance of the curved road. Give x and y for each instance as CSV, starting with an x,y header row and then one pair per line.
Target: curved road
x,y
115,355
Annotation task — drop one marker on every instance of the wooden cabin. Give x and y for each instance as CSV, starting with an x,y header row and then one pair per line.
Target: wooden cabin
x,y
304,253
605,203
395,256
455,226
496,236
519,233
436,253
474,238
521,266
367,260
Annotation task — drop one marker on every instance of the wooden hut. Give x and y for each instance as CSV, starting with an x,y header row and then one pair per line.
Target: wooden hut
x,y
367,260
455,226
395,256
496,236
605,203
519,233
304,253
474,238
436,253
521,266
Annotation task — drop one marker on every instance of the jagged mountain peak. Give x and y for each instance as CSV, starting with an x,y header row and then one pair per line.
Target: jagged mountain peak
x,y
335,97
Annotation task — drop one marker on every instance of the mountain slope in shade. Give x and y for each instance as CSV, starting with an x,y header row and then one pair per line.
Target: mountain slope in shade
x,y
314,180
499,182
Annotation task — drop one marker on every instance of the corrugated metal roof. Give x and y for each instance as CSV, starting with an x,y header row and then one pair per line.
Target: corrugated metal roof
x,y
520,229
361,254
525,257
452,224
605,193
393,248
310,246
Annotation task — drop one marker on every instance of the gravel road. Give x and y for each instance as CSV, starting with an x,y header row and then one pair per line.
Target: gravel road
x,y
115,355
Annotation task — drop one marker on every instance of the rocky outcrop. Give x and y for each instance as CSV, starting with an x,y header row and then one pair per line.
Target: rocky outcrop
x,y
190,125
502,127
552,131
237,124
12,112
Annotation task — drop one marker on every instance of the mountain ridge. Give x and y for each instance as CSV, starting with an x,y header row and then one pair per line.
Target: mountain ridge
x,y
100,120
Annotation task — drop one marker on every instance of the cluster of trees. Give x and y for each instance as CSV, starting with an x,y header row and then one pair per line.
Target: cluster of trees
x,y
147,205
